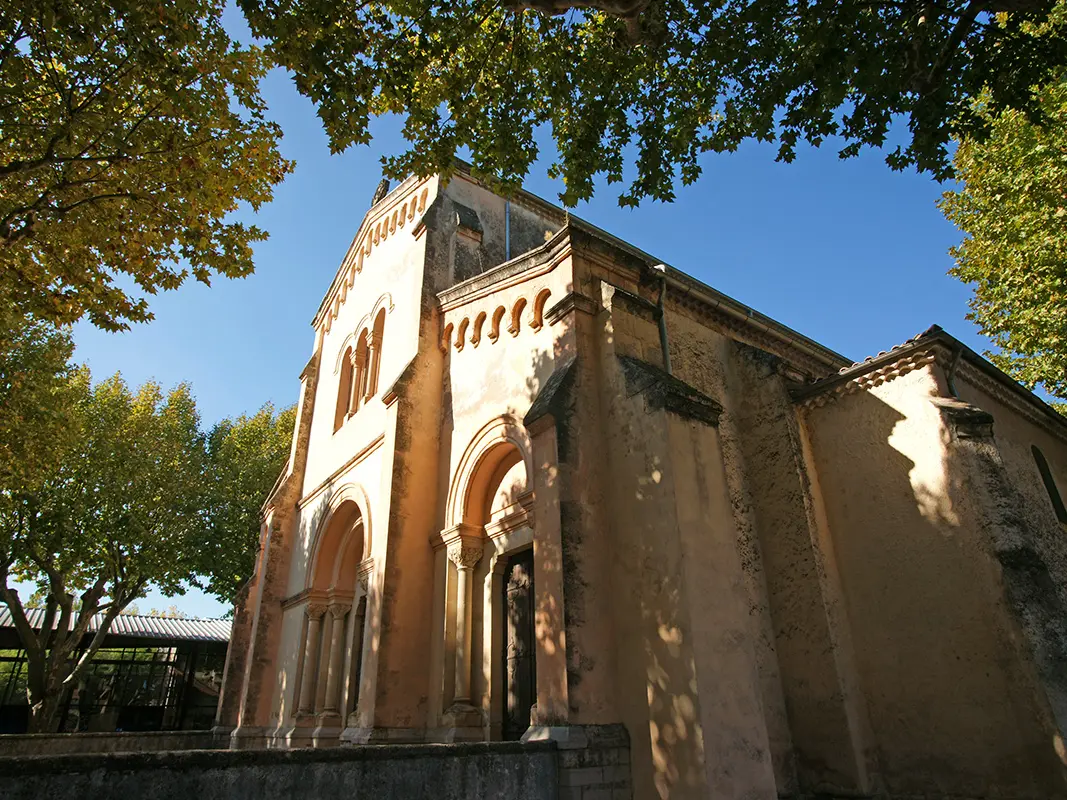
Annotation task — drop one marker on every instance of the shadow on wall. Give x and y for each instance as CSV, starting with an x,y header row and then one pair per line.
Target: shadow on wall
x,y
951,704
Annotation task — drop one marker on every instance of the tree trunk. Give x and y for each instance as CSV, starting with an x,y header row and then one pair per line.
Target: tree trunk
x,y
44,711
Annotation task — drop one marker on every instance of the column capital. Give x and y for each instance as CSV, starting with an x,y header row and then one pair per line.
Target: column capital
x,y
338,610
316,610
465,552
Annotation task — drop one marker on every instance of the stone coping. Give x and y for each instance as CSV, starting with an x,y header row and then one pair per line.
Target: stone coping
x,y
29,737
14,766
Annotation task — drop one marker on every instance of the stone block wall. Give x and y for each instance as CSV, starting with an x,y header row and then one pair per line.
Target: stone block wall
x,y
596,765
414,772
56,744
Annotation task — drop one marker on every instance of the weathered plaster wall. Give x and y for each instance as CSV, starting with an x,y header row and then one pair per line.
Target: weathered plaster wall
x,y
687,677
789,557
922,601
1015,435
431,772
1005,498
530,224
750,427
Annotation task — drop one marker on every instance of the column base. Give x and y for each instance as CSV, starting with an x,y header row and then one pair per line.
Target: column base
x,y
462,722
247,737
311,731
356,735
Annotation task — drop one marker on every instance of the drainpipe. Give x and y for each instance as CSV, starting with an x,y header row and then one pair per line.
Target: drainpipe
x,y
507,230
663,346
950,373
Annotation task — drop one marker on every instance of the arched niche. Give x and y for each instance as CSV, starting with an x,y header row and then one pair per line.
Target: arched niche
x,y
339,551
342,541
501,441
499,481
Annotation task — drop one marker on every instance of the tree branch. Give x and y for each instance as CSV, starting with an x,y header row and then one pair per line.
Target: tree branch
x,y
18,616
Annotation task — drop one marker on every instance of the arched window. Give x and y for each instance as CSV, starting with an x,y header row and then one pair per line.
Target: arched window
x,y
359,387
376,341
344,390
1050,484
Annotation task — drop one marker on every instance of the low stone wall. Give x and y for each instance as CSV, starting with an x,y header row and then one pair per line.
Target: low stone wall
x,y
594,763
57,744
413,772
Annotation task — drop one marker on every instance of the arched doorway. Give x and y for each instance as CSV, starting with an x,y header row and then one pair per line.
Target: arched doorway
x,y
489,645
333,635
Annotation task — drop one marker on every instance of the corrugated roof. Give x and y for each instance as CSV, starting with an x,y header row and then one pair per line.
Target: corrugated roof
x,y
187,630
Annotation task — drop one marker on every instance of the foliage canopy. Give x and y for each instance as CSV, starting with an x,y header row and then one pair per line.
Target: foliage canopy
x,y
1013,207
129,131
135,496
245,456
655,82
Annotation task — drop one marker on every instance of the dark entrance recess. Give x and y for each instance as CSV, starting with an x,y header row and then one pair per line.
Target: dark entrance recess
x,y
520,687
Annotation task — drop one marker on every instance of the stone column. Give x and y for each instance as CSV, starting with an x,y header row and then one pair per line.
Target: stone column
x,y
355,393
336,660
311,660
355,647
374,359
324,664
464,554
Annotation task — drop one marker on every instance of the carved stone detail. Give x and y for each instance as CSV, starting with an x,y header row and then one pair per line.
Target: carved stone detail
x,y
338,611
316,610
465,554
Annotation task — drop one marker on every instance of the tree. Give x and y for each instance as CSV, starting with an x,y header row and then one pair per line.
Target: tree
x,y
639,89
34,378
131,130
121,512
1012,205
245,457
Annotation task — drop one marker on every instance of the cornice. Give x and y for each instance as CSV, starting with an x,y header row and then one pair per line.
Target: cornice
x,y
936,347
398,209
529,265
663,391
880,371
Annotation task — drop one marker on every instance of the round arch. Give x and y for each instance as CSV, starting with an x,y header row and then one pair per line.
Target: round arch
x,y
488,444
341,502
350,341
367,321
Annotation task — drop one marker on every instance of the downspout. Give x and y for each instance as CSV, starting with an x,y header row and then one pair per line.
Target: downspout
x,y
507,230
950,373
663,344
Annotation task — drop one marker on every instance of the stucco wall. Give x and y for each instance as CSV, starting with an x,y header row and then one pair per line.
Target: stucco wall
x,y
947,697
433,772
688,686
390,276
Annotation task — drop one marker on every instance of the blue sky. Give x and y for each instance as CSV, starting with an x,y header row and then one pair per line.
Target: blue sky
x,y
849,253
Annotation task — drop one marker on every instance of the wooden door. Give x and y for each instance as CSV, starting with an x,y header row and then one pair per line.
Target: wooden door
x,y
520,673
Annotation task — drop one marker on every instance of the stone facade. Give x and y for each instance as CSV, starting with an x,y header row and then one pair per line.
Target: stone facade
x,y
543,488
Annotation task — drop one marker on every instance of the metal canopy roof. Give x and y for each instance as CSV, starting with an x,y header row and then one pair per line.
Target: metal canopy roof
x,y
186,630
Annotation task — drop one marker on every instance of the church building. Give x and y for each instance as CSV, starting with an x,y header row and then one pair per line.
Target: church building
x,y
543,486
